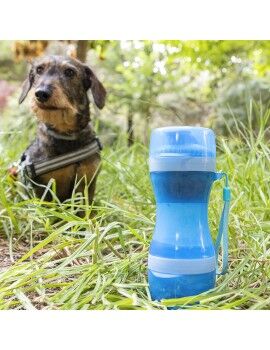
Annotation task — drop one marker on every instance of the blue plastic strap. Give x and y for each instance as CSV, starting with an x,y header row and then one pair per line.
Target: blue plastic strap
x,y
223,228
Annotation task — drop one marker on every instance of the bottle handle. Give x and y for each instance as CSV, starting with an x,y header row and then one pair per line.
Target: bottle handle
x,y
223,226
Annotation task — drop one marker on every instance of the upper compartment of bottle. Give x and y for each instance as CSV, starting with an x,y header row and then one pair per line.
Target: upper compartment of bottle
x,y
182,148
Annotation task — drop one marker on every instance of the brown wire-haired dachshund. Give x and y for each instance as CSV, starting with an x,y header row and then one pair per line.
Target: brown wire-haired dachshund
x,y
63,149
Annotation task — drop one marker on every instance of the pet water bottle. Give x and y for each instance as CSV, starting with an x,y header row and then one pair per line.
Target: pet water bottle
x,y
183,258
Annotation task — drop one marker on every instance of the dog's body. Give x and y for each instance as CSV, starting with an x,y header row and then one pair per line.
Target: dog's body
x,y
61,105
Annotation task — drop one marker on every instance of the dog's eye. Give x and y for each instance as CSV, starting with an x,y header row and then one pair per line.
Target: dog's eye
x,y
40,69
69,72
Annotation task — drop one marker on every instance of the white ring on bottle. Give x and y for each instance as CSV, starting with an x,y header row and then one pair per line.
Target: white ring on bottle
x,y
181,266
180,163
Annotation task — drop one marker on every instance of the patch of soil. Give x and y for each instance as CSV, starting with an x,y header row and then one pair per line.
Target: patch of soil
x,y
18,250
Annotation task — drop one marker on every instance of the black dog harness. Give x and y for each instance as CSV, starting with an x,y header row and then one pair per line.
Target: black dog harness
x,y
33,169
26,169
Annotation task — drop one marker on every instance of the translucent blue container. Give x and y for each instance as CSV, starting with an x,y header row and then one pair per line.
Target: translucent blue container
x,y
182,256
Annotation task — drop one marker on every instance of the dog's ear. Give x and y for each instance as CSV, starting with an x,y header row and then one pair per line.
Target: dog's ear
x,y
27,84
97,89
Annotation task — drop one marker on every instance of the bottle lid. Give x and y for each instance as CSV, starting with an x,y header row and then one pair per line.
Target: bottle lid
x,y
182,148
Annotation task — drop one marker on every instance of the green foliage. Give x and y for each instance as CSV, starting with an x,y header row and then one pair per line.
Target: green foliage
x,y
178,80
135,76
233,102
8,69
5,49
219,56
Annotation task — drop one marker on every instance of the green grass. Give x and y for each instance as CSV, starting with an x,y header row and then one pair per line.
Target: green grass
x,y
53,259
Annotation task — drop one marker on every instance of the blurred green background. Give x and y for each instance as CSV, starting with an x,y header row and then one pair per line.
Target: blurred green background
x,y
157,83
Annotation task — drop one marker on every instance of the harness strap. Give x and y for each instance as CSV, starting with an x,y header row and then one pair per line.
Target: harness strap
x,y
42,167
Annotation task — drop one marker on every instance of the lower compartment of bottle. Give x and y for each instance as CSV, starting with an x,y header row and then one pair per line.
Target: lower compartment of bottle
x,y
166,286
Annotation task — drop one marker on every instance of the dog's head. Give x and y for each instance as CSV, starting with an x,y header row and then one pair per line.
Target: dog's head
x,y
60,86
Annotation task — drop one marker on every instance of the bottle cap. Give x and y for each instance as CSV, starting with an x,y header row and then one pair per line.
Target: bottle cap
x,y
182,148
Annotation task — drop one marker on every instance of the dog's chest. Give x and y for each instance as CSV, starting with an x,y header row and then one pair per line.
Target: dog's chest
x,y
67,177
45,149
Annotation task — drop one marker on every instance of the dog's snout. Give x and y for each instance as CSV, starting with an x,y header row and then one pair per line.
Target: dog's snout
x,y
43,94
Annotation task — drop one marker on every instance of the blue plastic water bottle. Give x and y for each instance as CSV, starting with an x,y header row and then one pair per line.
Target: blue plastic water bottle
x,y
183,258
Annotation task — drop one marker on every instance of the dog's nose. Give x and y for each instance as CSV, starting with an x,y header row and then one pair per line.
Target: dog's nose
x,y
43,94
